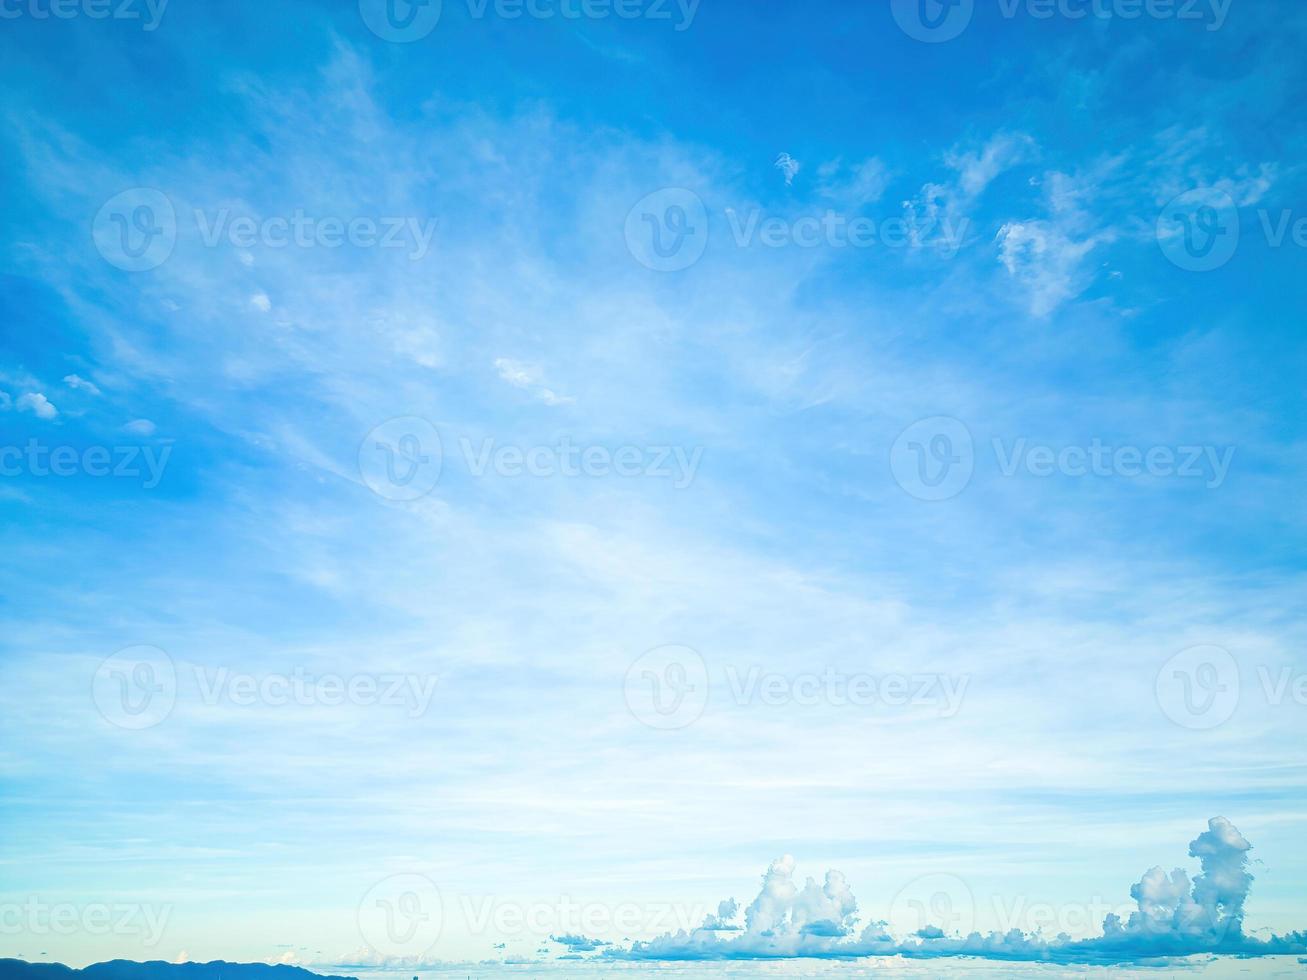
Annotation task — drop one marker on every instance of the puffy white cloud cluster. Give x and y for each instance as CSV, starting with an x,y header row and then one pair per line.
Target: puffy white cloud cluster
x,y
1175,916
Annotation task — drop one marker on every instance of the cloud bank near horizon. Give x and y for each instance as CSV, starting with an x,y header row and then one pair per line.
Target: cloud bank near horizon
x,y
1174,917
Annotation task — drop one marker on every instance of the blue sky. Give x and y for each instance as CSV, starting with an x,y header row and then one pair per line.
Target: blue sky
x,y
822,462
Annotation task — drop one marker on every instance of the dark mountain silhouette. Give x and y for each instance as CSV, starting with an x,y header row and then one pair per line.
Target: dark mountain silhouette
x,y
156,970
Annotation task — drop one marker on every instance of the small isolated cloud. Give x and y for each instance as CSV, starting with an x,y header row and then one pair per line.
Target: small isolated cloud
x,y
261,302
578,944
6,403
245,258
853,186
1174,917
530,378
80,384
140,427
37,404
789,168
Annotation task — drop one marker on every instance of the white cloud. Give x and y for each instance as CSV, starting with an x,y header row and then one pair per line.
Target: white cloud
x,y
529,377
789,168
80,384
261,302
140,427
37,404
853,186
6,402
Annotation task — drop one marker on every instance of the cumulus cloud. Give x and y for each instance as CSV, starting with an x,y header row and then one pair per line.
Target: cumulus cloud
x,y
528,377
1174,917
261,302
81,384
37,404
